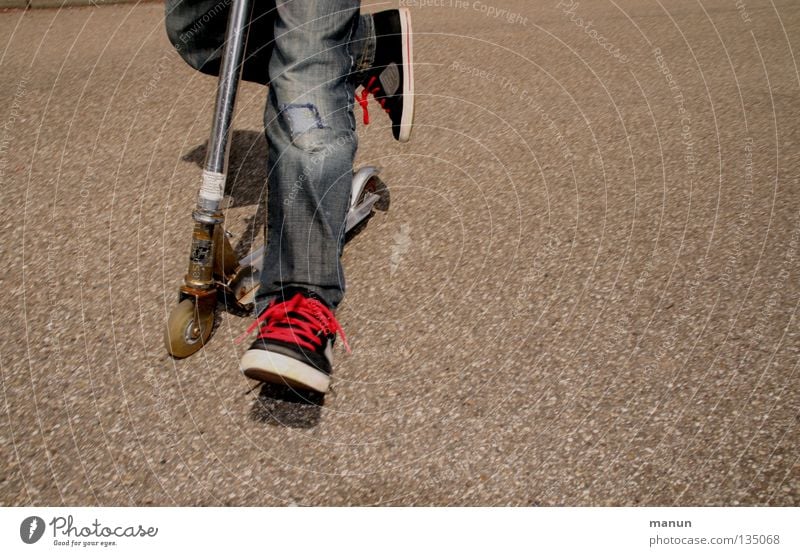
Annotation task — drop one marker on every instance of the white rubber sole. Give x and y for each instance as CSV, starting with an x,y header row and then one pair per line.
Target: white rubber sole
x,y
407,120
277,368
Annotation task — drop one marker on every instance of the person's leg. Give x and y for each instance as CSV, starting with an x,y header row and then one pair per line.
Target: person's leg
x,y
325,49
196,29
310,131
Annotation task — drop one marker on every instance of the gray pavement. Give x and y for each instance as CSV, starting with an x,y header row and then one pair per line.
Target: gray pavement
x,y
27,4
584,291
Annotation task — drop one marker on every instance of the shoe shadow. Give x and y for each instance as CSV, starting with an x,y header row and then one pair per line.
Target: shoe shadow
x,y
282,406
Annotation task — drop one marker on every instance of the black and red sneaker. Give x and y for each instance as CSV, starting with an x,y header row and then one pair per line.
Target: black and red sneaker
x,y
294,344
391,78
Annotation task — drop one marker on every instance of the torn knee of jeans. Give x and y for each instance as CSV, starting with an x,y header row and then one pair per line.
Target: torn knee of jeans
x,y
304,125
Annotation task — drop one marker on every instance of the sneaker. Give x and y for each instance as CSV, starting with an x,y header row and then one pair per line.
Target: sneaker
x,y
294,344
391,78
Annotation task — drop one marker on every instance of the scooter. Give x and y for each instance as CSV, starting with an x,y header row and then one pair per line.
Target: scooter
x,y
214,270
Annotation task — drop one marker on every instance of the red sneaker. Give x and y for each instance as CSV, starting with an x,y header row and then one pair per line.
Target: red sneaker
x,y
295,342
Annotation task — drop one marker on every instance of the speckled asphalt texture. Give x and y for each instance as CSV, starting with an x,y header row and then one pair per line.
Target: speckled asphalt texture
x,y
584,290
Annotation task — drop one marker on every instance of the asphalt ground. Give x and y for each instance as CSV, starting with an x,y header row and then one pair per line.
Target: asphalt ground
x,y
584,290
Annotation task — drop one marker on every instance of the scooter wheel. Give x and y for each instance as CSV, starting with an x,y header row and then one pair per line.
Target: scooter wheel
x,y
188,329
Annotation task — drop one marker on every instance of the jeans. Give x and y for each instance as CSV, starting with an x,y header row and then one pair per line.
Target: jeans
x,y
312,54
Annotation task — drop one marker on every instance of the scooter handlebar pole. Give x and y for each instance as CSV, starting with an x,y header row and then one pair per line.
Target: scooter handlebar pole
x,y
199,281
216,165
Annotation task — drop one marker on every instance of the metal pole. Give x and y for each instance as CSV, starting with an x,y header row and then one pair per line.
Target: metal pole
x,y
216,165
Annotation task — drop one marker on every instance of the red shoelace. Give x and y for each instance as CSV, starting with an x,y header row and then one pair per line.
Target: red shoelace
x,y
371,88
297,321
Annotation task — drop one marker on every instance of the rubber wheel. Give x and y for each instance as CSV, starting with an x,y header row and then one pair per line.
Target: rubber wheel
x,y
188,329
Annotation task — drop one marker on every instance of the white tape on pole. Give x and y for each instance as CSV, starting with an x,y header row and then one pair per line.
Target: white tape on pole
x,y
213,187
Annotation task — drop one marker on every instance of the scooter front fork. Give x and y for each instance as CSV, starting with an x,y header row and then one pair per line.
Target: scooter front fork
x,y
212,261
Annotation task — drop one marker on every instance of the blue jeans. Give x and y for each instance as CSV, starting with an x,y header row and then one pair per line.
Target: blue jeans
x,y
311,54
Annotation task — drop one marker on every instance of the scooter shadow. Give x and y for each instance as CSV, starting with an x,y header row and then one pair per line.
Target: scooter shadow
x,y
246,183
282,406
247,170
247,167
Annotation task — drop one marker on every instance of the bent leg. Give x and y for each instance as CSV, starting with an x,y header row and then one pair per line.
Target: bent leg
x,y
196,28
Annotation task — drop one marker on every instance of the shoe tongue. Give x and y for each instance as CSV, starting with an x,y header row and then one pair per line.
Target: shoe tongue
x,y
390,79
289,293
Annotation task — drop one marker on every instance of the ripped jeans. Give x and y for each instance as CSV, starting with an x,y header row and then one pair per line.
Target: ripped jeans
x,y
311,54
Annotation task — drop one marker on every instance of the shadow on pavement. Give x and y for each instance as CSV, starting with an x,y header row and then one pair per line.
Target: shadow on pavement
x,y
247,167
247,181
282,406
